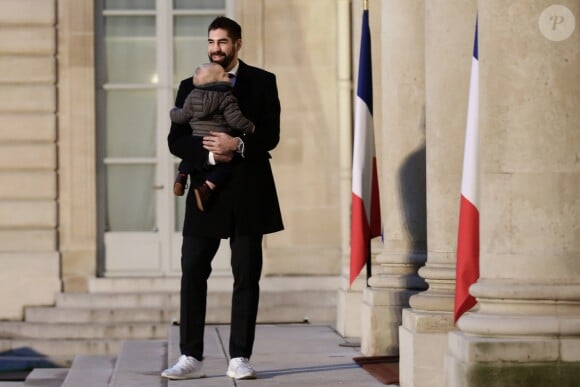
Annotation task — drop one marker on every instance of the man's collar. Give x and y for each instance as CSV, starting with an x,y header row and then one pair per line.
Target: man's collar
x,y
235,69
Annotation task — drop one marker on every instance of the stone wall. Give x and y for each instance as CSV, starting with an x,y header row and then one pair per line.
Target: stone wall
x,y
29,259
48,213
301,50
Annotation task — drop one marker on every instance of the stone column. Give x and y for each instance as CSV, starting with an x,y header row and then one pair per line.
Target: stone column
x,y
76,142
526,331
449,31
402,169
348,298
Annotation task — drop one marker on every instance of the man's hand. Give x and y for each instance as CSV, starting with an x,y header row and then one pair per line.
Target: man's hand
x,y
222,145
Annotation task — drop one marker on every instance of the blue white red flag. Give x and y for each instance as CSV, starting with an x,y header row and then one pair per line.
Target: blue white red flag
x,y
366,212
467,270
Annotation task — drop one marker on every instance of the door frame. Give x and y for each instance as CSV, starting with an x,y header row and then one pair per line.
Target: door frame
x,y
155,253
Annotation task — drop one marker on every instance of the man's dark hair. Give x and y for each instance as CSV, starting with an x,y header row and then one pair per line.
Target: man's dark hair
x,y
234,30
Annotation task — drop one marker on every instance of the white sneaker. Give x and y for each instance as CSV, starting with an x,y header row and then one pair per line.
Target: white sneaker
x,y
240,368
187,367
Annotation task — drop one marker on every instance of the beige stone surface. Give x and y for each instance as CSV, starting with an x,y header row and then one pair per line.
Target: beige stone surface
x,y
547,76
27,69
27,12
381,317
28,214
301,260
519,212
27,127
401,141
423,341
27,98
529,289
402,132
570,349
27,185
379,326
27,279
77,144
427,322
304,29
250,14
24,241
449,31
530,165
534,227
292,183
349,313
28,156
448,52
301,51
494,349
29,40
78,265
417,366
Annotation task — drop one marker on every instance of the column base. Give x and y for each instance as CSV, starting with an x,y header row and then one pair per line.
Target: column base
x,y
381,317
475,361
423,340
348,313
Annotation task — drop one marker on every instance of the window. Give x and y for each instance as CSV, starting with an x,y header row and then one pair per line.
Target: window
x,y
143,49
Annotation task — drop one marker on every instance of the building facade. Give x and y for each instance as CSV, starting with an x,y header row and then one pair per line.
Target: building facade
x,y
85,175
95,81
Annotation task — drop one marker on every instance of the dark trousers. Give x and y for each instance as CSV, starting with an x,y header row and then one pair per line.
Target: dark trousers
x,y
246,261
218,174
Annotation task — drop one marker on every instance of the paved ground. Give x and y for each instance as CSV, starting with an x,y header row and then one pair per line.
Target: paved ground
x,y
284,355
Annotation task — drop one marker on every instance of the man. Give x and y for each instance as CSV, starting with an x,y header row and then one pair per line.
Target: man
x,y
243,210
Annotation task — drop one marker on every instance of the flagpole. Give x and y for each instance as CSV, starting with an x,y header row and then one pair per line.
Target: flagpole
x,y
369,265
368,258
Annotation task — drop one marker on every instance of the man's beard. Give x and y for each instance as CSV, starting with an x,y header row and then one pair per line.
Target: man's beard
x,y
223,61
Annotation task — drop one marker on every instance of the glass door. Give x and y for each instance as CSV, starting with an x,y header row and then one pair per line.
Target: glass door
x,y
144,48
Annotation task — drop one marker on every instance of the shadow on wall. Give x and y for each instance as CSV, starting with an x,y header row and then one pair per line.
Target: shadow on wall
x,y
413,190
16,364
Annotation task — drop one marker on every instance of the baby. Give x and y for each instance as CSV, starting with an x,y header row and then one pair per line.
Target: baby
x,y
209,107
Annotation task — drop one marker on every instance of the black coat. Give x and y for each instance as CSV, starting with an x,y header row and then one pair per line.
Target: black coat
x,y
248,201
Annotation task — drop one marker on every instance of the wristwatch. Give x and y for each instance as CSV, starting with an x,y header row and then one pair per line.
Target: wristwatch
x,y
240,147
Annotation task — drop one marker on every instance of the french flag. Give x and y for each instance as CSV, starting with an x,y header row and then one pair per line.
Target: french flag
x,y
467,270
366,211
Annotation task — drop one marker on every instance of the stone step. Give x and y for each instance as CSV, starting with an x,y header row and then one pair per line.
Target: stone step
x,y
215,283
173,350
214,315
11,363
171,299
64,349
12,384
90,371
50,314
123,300
139,364
149,284
46,377
27,330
